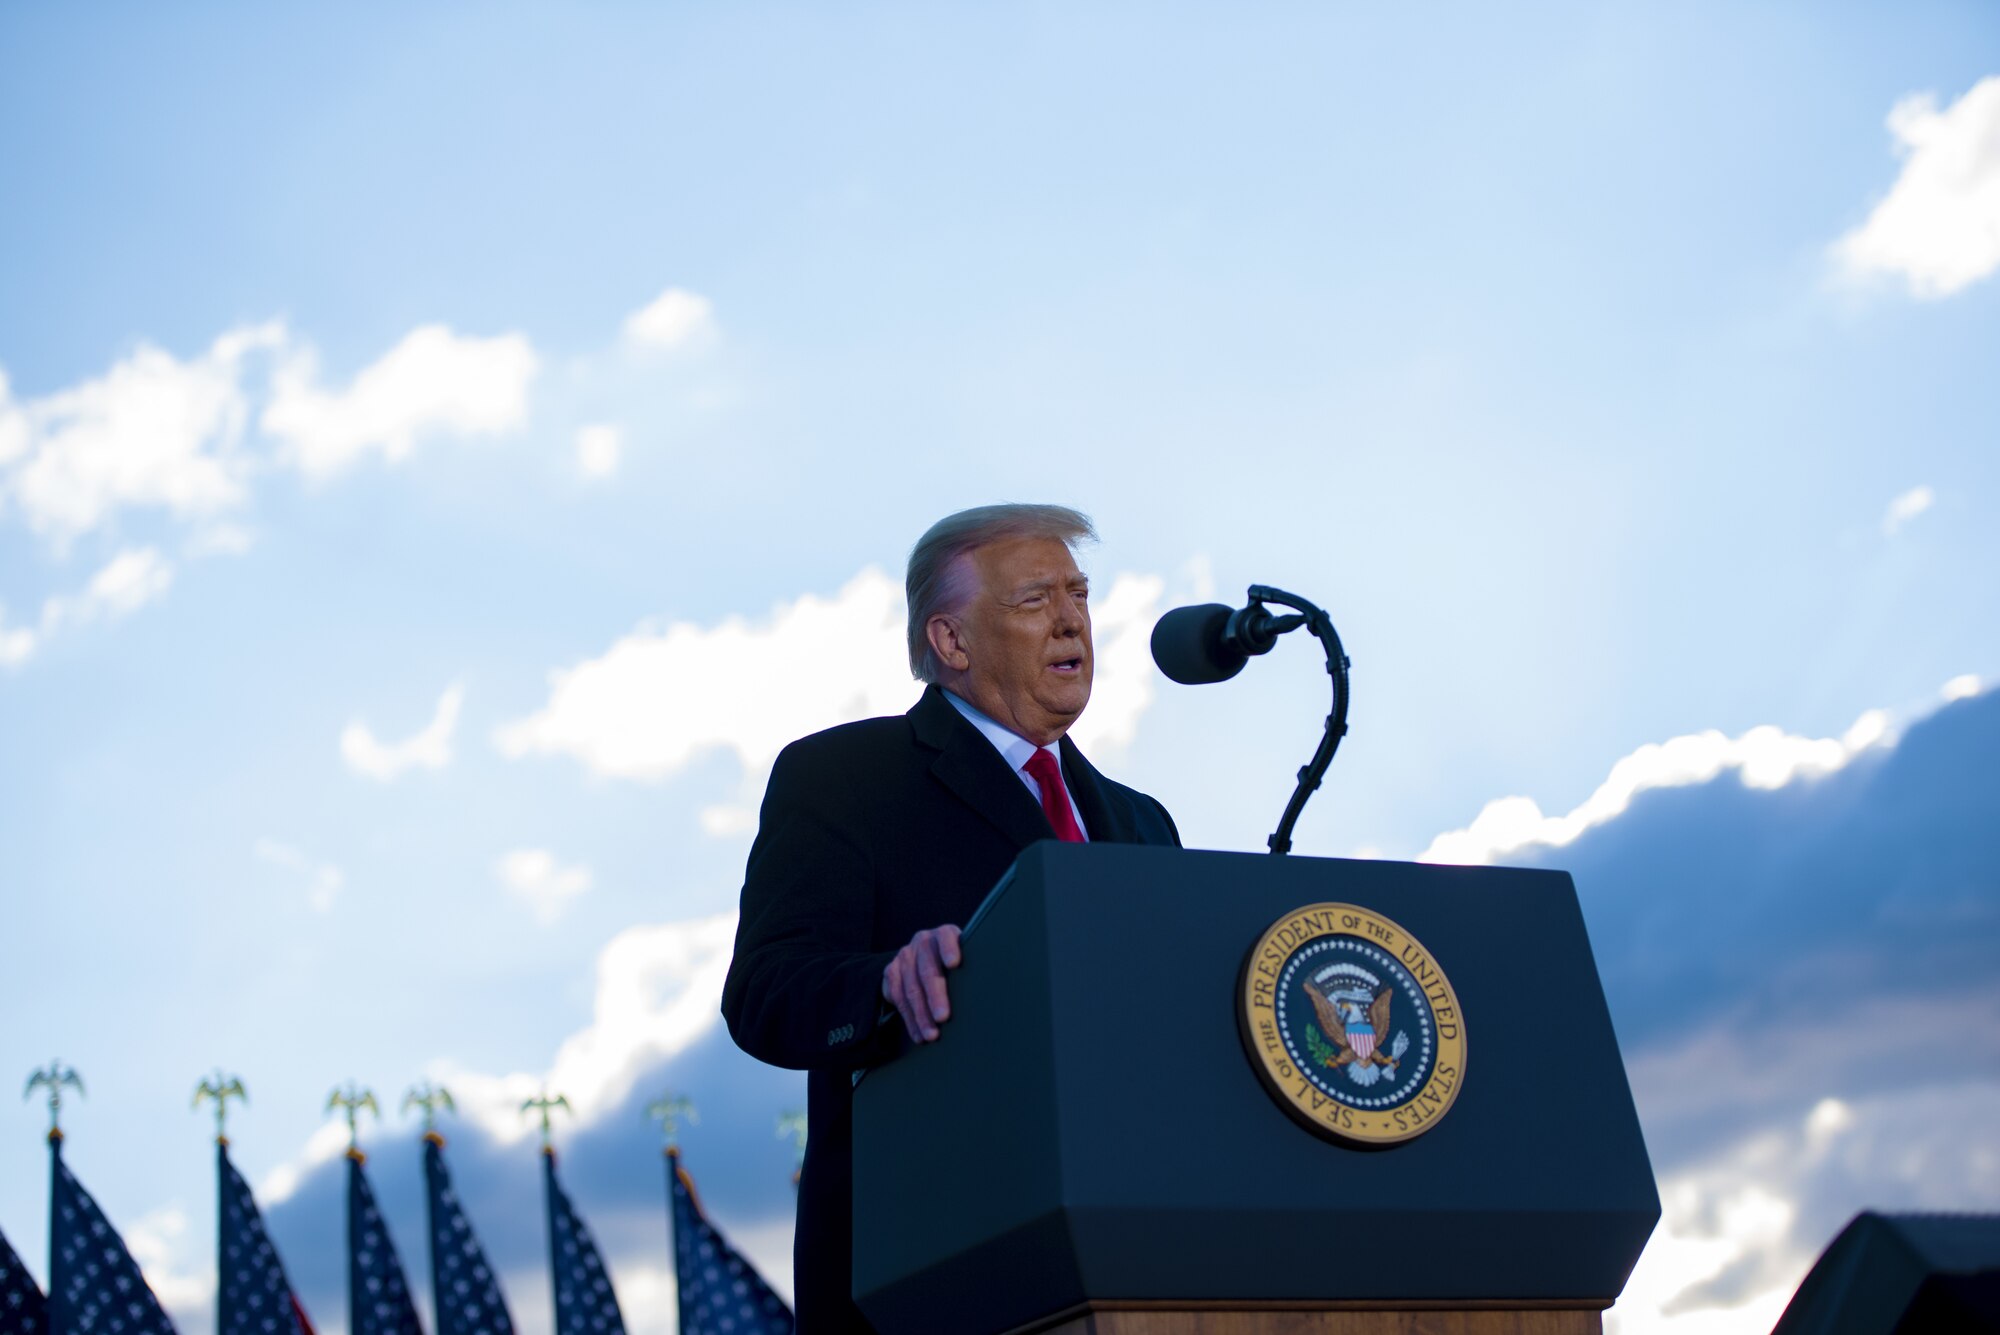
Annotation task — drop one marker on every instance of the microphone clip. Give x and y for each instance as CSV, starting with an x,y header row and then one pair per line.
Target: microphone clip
x,y
1253,630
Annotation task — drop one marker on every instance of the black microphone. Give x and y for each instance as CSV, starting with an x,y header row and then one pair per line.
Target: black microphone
x,y
1212,642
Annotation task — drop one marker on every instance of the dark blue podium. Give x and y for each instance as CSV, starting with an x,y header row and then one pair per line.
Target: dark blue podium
x,y
1089,1147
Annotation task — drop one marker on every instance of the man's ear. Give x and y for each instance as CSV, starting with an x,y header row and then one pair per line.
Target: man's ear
x,y
947,642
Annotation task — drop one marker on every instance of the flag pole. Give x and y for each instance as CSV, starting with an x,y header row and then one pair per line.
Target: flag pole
x,y
428,1097
792,1127
221,1088
351,1101
53,1078
669,1110
543,1104
713,1281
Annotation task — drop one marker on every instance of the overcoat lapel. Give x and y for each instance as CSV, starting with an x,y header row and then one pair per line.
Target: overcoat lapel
x,y
1106,818
968,765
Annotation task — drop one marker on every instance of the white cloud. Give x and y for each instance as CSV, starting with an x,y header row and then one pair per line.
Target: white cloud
x,y
433,382
130,580
169,1255
658,699
534,876
597,449
1703,1234
727,822
1121,631
17,643
674,319
1939,227
429,748
323,879
646,1288
328,1142
157,432
1764,757
1961,688
127,582
1905,508
1198,578
1731,1247
648,1294
151,432
218,540
13,424
659,988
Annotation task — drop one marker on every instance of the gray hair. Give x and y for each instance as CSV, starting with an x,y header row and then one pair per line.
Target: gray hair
x,y
938,581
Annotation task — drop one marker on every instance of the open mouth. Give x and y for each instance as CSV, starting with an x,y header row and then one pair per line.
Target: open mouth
x,y
1067,666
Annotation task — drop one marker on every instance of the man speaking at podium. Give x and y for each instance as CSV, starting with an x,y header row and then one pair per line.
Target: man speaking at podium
x,y
878,839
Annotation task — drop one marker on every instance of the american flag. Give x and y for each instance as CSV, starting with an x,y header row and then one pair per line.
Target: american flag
x,y
719,1290
378,1297
465,1290
254,1297
585,1304
96,1288
23,1310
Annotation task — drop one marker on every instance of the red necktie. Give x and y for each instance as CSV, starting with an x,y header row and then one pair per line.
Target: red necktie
x,y
1042,768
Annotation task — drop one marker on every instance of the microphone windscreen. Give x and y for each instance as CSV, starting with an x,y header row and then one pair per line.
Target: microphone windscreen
x,y
1187,644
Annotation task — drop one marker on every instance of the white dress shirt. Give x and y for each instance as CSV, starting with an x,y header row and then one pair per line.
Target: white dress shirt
x,y
1015,750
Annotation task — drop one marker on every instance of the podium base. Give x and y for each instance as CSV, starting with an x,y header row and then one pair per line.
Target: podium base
x,y
1318,1319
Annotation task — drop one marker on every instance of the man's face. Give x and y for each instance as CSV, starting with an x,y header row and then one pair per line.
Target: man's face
x,y
1026,637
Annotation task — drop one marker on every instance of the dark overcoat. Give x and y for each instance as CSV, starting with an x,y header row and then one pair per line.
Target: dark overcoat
x,y
870,833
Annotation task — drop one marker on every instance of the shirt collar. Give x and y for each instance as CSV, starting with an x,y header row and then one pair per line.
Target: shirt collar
x,y
1013,748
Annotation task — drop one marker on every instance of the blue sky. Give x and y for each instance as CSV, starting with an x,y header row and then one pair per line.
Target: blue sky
x,y
443,456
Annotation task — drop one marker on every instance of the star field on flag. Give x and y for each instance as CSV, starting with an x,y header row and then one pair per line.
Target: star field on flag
x,y
467,1291
254,1297
23,1310
378,1297
585,1304
96,1288
720,1292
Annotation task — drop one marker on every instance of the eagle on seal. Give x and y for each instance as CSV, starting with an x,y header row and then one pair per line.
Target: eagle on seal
x,y
1352,1031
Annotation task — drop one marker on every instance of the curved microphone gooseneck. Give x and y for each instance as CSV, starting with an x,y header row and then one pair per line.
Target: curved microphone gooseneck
x,y
1321,625
1196,645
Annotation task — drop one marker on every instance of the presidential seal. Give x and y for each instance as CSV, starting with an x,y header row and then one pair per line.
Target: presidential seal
x,y
1351,1025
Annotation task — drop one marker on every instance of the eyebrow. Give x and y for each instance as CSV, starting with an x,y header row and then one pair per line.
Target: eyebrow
x,y
1041,585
